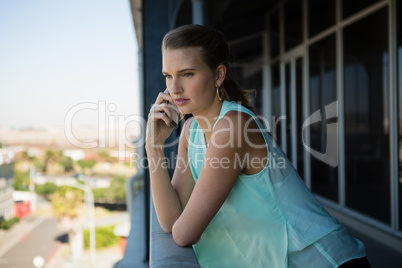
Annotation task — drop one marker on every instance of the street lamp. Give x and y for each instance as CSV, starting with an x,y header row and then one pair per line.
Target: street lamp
x,y
38,261
89,200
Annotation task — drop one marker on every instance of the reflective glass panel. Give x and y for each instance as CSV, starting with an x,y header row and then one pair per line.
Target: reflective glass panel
x,y
276,103
350,7
399,77
293,23
288,97
322,59
299,116
321,15
366,115
248,70
274,34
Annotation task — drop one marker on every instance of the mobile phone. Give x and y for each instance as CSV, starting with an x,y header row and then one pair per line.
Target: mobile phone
x,y
175,117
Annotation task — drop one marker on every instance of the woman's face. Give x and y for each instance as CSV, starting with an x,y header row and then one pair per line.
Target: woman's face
x,y
190,82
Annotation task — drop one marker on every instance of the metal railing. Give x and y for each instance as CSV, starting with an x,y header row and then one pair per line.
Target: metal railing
x,y
136,252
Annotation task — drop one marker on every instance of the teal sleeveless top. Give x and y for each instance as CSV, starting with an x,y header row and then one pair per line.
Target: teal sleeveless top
x,y
269,219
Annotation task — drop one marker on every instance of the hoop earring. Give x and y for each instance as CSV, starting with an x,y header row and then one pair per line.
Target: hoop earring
x,y
217,93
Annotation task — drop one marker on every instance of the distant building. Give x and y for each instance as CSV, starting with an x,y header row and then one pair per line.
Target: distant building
x,y
7,159
75,154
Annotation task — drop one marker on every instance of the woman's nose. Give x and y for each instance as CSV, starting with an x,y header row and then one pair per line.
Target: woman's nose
x,y
175,86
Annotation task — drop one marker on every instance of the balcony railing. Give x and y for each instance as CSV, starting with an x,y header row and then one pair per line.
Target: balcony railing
x,y
162,250
136,253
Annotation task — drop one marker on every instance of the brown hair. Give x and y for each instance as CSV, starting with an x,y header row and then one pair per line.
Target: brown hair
x,y
214,51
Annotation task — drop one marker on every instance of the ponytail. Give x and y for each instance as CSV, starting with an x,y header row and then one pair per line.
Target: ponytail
x,y
231,91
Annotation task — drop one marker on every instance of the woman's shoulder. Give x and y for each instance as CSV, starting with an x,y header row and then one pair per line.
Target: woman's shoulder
x,y
234,119
232,128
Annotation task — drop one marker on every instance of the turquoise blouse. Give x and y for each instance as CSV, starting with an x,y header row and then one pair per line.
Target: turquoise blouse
x,y
269,219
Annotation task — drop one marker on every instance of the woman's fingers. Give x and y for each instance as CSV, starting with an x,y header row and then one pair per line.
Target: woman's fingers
x,y
162,111
161,116
163,97
165,110
164,107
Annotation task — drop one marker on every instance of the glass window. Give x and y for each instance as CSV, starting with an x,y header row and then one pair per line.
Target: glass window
x,y
293,23
399,77
299,116
366,116
254,81
274,34
321,15
248,70
351,7
276,103
289,119
322,58
294,112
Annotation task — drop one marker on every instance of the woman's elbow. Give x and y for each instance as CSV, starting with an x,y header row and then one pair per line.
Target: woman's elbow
x,y
166,226
183,239
166,229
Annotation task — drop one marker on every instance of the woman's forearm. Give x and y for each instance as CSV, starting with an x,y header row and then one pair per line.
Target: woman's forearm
x,y
166,201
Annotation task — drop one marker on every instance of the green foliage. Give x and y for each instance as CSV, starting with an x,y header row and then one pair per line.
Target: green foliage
x,y
9,223
66,201
86,164
46,189
105,155
24,156
117,190
50,157
67,163
104,237
38,163
21,181
99,193
115,193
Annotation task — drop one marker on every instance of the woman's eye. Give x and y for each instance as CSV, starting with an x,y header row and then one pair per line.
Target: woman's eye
x,y
167,75
188,74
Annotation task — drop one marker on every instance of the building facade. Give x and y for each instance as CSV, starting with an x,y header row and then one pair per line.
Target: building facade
x,y
328,76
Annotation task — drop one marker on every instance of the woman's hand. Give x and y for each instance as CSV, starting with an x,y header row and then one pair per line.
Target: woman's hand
x,y
160,118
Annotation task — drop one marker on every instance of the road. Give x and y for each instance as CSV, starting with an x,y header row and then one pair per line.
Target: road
x,y
32,237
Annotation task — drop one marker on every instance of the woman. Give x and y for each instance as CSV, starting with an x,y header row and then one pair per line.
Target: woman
x,y
234,195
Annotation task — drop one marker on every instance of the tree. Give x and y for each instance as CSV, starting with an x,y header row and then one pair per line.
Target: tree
x,y
46,189
86,165
37,163
50,158
21,181
67,163
105,156
115,193
66,202
25,156
117,190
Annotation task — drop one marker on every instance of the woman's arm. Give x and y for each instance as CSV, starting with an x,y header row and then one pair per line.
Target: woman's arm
x,y
217,177
170,197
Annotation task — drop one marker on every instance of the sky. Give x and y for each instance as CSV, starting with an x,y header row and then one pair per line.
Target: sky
x,y
56,56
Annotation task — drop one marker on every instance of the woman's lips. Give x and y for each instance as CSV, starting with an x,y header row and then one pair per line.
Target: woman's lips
x,y
181,101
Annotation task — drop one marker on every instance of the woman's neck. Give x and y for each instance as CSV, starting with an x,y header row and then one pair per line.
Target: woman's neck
x,y
207,118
